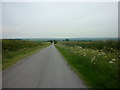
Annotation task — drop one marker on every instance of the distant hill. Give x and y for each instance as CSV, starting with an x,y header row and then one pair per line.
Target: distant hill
x,y
75,39
62,39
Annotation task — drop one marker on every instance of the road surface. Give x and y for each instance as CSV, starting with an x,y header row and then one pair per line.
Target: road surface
x,y
45,69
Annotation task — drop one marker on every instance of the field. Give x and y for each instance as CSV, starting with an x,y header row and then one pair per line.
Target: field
x,y
15,50
96,62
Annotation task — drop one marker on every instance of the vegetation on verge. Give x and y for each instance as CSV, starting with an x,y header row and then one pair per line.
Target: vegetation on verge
x,y
95,62
15,50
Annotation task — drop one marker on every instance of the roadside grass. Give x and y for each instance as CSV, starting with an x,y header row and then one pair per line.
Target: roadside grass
x,y
12,56
98,68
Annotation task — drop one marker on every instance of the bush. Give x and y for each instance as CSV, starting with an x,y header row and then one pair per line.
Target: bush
x,y
55,42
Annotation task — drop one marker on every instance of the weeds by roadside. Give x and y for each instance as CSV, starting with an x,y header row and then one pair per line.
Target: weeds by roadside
x,y
15,50
97,66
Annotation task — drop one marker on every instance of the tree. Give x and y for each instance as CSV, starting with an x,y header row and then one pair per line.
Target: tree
x,y
67,39
51,41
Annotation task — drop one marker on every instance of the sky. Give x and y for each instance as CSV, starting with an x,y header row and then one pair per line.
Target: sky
x,y
0,14
59,19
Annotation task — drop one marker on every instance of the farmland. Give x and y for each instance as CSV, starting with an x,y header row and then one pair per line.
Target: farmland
x,y
96,62
15,50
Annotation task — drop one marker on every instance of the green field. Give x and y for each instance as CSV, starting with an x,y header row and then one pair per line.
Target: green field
x,y
15,50
96,62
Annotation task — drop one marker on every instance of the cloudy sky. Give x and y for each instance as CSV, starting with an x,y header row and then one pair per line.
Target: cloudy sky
x,y
59,20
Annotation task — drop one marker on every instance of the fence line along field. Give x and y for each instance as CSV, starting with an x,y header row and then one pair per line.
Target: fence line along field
x,y
96,62
15,50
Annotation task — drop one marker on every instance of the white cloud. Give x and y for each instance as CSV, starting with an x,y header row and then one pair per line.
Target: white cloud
x,y
59,0
60,19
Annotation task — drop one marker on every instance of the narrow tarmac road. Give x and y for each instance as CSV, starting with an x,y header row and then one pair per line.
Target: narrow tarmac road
x,y
45,69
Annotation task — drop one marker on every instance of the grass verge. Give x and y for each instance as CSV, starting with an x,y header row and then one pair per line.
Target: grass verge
x,y
15,56
99,75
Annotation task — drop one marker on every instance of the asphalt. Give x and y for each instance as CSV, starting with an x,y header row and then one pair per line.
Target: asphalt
x,y
45,69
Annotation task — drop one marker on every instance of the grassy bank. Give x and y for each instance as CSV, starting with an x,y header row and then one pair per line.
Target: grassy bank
x,y
15,50
98,67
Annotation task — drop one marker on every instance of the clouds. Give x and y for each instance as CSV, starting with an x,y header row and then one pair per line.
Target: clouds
x,y
49,20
